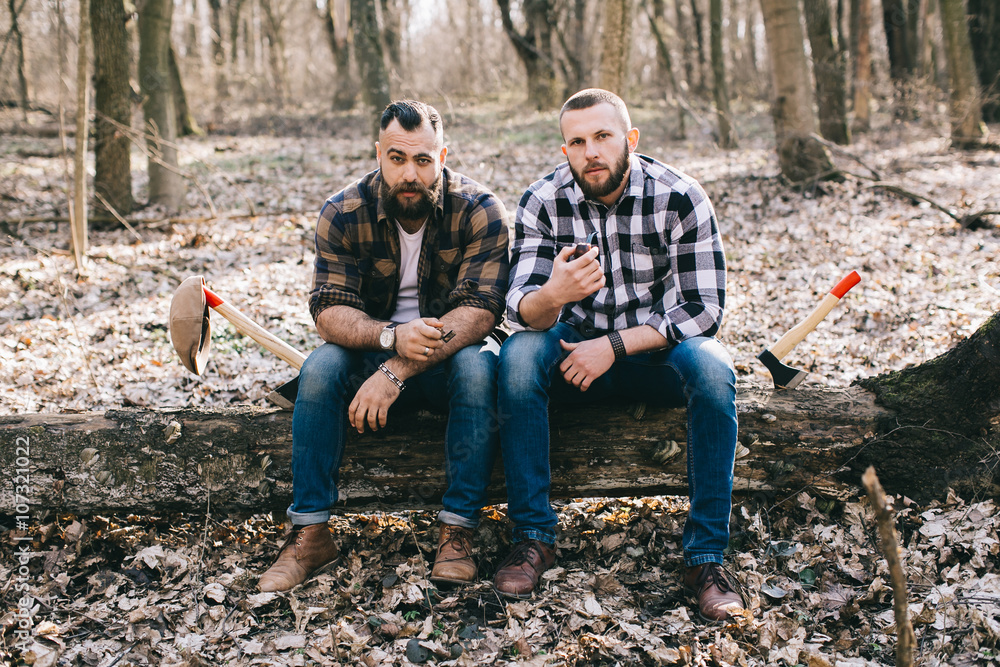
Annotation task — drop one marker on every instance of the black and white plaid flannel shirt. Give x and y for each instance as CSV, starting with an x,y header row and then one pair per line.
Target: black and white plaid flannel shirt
x,y
659,246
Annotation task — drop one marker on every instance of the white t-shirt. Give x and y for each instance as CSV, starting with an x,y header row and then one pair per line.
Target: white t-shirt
x,y
407,302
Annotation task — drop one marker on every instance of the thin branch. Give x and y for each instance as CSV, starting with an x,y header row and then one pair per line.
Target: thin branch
x,y
117,215
840,150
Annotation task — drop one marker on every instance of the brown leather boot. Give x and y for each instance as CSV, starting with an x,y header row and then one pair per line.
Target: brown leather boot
x,y
306,549
453,563
519,572
717,591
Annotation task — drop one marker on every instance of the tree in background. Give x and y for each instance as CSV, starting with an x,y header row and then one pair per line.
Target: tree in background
x,y
719,87
894,18
658,27
800,156
984,31
274,29
861,13
113,104
393,19
534,49
830,73
166,185
967,128
335,14
218,59
16,7
574,40
371,62
615,45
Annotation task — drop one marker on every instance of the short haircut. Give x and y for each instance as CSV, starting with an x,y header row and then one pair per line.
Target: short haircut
x,y
411,114
591,97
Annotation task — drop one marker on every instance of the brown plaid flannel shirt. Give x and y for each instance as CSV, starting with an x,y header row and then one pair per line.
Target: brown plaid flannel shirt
x,y
463,260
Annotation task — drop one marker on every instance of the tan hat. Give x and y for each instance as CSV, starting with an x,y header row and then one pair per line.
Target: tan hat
x,y
190,324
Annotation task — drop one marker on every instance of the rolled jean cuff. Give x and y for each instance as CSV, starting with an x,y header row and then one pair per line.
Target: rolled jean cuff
x,y
701,559
522,534
452,519
307,518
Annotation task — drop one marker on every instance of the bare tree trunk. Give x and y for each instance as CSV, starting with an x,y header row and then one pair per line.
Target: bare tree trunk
x,y
895,21
79,231
166,185
984,31
574,39
617,40
22,76
916,15
861,13
830,73
186,124
371,62
113,104
335,22
534,49
720,89
687,49
967,128
273,27
392,36
658,26
235,9
802,158
218,60
699,33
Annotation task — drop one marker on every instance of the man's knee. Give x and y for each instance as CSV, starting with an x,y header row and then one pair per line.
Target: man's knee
x,y
473,372
526,359
325,372
706,364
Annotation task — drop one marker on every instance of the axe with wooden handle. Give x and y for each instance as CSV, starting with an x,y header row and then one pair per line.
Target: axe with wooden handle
x,y
191,333
786,377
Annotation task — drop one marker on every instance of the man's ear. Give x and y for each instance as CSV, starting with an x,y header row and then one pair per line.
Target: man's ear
x,y
633,139
378,154
564,150
444,154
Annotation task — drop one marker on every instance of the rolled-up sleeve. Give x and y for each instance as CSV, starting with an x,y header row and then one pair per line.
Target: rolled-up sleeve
x,y
484,272
699,271
532,256
336,278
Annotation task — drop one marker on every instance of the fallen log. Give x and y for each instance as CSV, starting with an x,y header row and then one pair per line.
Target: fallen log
x,y
926,429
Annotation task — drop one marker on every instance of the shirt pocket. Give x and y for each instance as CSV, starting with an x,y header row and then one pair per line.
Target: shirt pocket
x,y
647,263
445,268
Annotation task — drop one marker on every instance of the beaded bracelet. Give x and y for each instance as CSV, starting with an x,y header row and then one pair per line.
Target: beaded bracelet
x,y
617,345
392,376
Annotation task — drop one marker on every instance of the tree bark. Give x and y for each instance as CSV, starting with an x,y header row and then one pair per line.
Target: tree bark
x,y
534,49
830,73
967,128
113,104
928,428
658,26
719,88
235,8
895,21
686,47
574,40
392,35
371,62
186,124
616,43
699,33
166,185
984,31
335,22
15,7
79,230
274,30
801,157
218,61
861,11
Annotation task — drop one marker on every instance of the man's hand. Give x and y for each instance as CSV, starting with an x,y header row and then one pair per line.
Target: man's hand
x,y
587,361
573,279
417,339
372,402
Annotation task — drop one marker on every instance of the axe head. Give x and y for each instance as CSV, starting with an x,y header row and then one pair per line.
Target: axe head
x,y
190,324
785,377
284,396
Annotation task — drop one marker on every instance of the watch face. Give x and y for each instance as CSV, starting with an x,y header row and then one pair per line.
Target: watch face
x,y
387,338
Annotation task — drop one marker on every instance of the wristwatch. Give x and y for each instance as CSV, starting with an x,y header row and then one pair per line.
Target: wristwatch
x,y
387,339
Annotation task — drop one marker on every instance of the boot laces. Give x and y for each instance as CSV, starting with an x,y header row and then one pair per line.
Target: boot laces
x,y
457,537
717,575
521,552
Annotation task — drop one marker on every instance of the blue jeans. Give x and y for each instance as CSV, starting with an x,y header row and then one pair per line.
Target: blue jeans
x,y
465,384
697,374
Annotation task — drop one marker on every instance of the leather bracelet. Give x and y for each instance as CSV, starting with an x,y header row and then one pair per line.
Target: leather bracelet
x,y
617,345
392,376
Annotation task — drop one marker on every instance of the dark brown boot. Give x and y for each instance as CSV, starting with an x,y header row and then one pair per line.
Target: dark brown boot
x,y
453,563
718,593
519,572
306,549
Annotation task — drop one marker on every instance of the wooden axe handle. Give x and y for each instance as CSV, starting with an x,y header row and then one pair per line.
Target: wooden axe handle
x,y
802,329
248,327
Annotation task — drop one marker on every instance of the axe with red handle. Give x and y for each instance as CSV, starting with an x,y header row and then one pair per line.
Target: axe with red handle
x,y
786,377
191,333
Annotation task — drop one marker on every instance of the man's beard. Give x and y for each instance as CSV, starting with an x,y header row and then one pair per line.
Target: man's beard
x,y
615,177
416,208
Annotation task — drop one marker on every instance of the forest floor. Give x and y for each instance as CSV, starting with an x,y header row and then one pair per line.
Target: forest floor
x,y
172,590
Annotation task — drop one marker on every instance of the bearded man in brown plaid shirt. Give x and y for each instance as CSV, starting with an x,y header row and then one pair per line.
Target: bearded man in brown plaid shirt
x,y
410,279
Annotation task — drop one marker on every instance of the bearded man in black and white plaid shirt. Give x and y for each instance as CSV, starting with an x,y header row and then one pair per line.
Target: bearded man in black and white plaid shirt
x,y
632,314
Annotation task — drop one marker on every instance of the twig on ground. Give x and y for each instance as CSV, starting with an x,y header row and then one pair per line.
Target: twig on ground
x,y
840,150
906,641
117,215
